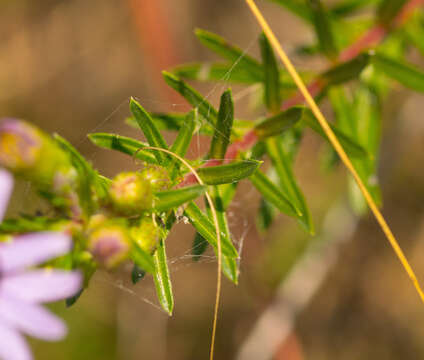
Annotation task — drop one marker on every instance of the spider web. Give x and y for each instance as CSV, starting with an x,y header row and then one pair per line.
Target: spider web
x,y
144,290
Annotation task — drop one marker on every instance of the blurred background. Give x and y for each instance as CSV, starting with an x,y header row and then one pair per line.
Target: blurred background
x,y
71,66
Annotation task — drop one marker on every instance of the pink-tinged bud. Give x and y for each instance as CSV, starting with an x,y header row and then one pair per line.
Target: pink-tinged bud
x,y
109,244
130,194
28,152
20,144
157,176
146,234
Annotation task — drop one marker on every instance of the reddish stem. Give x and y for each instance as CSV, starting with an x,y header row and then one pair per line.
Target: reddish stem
x,y
370,39
156,38
314,89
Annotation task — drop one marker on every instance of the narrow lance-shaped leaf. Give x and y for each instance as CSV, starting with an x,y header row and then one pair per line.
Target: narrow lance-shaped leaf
x,y
279,123
224,125
86,175
297,7
346,71
323,29
123,144
220,46
137,274
162,278
169,199
406,74
388,9
192,96
288,183
182,142
273,194
206,228
414,31
215,72
163,121
228,173
229,263
272,92
150,131
265,216
347,7
142,258
199,246
227,192
352,148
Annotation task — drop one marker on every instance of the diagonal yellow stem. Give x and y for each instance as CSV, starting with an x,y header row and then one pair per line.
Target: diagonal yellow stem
x,y
335,143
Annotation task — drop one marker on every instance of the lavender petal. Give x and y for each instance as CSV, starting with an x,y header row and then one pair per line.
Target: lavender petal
x,y
31,319
32,249
6,186
13,345
41,285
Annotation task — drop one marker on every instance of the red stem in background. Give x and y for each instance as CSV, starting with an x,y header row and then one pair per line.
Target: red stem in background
x,y
371,38
156,38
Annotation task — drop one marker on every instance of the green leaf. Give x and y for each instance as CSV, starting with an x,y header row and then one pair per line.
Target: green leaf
x,y
348,7
162,279
414,31
25,224
406,74
230,52
265,216
297,7
192,96
206,228
215,72
170,199
279,123
199,246
152,134
322,24
285,174
227,192
352,147
123,144
229,264
142,258
273,194
163,121
73,299
388,9
182,142
346,71
228,173
224,125
272,76
137,274
87,177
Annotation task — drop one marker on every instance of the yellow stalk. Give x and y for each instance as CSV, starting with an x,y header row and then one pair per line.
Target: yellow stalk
x,y
335,143
218,241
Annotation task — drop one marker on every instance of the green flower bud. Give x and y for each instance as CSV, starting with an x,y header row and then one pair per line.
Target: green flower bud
x,y
109,243
157,176
28,152
130,193
146,234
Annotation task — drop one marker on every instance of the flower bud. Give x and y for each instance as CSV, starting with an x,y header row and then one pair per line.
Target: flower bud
x,y
146,234
130,193
109,243
157,176
28,152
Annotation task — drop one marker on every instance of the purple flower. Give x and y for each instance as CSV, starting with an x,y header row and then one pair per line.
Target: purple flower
x,y
22,291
